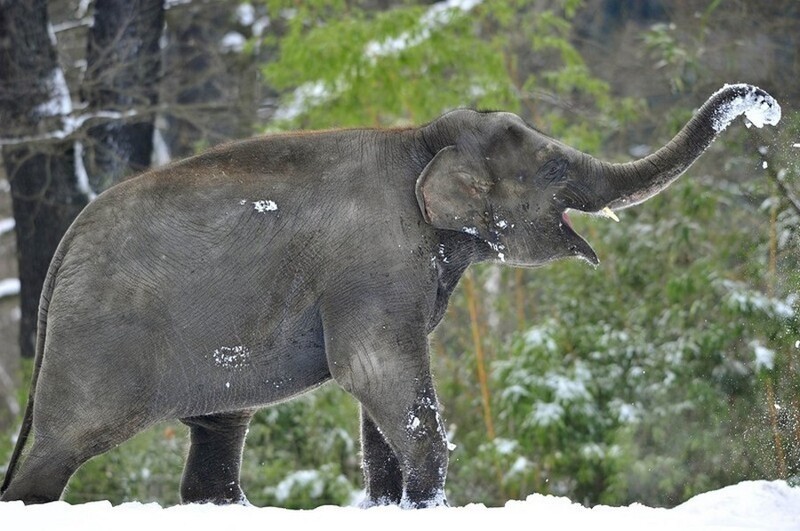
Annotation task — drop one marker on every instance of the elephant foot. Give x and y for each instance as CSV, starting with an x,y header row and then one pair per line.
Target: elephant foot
x,y
437,500
381,501
232,495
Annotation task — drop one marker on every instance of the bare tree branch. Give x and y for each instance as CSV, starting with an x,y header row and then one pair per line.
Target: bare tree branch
x,y
71,125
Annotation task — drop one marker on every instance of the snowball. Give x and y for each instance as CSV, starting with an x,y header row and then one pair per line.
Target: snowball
x,y
757,106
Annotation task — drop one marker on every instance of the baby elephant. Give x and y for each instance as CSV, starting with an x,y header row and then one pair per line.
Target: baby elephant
x,y
260,269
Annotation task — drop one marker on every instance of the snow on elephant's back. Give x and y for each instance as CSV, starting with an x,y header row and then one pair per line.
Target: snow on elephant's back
x,y
757,106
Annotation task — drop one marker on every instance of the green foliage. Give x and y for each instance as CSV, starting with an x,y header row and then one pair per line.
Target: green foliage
x,y
144,469
304,453
344,67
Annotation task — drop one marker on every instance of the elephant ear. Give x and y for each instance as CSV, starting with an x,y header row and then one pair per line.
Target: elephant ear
x,y
452,193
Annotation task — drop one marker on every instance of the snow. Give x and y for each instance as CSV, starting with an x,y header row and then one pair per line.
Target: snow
x,y
232,357
160,156
60,103
9,287
265,206
81,175
765,358
7,225
246,14
758,108
437,15
541,336
302,478
316,93
764,505
233,41
743,299
545,414
304,96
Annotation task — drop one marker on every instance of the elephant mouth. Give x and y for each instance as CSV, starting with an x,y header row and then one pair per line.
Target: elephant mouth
x,y
577,245
567,221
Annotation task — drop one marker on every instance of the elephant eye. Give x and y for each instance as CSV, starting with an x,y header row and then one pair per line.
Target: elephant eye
x,y
553,170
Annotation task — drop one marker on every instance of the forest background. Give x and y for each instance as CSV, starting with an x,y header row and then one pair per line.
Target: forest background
x,y
670,370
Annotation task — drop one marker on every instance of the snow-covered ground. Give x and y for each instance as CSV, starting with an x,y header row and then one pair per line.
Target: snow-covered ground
x,y
769,505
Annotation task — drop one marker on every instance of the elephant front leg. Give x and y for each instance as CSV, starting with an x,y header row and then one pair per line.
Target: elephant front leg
x,y
388,371
382,475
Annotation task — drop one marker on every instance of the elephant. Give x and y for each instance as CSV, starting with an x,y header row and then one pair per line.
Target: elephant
x,y
260,269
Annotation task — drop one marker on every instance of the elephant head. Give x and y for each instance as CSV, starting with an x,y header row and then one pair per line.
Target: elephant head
x,y
502,181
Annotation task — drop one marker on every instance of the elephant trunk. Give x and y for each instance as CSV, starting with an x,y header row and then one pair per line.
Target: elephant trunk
x,y
628,184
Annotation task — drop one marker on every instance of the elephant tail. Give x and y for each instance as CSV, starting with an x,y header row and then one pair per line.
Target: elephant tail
x,y
27,419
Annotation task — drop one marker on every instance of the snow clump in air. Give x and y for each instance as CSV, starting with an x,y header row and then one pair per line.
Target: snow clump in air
x,y
757,106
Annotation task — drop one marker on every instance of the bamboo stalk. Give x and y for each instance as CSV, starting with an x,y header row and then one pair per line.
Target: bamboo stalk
x,y
519,298
780,454
483,381
776,436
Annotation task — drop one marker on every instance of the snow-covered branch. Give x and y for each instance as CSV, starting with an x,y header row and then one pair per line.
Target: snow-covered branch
x,y
70,125
73,24
315,93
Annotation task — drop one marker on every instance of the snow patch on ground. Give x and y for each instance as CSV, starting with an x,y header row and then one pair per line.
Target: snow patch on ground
x,y
764,505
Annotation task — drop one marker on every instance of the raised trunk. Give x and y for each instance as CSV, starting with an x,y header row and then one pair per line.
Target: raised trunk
x,y
628,184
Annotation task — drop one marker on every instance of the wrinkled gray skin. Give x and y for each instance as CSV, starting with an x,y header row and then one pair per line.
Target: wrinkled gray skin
x,y
254,272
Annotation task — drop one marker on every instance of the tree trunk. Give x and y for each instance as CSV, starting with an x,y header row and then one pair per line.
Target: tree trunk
x,y
33,100
42,154
123,71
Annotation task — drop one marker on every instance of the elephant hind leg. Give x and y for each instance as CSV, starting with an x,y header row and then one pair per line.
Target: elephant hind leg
x,y
58,450
43,474
211,474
